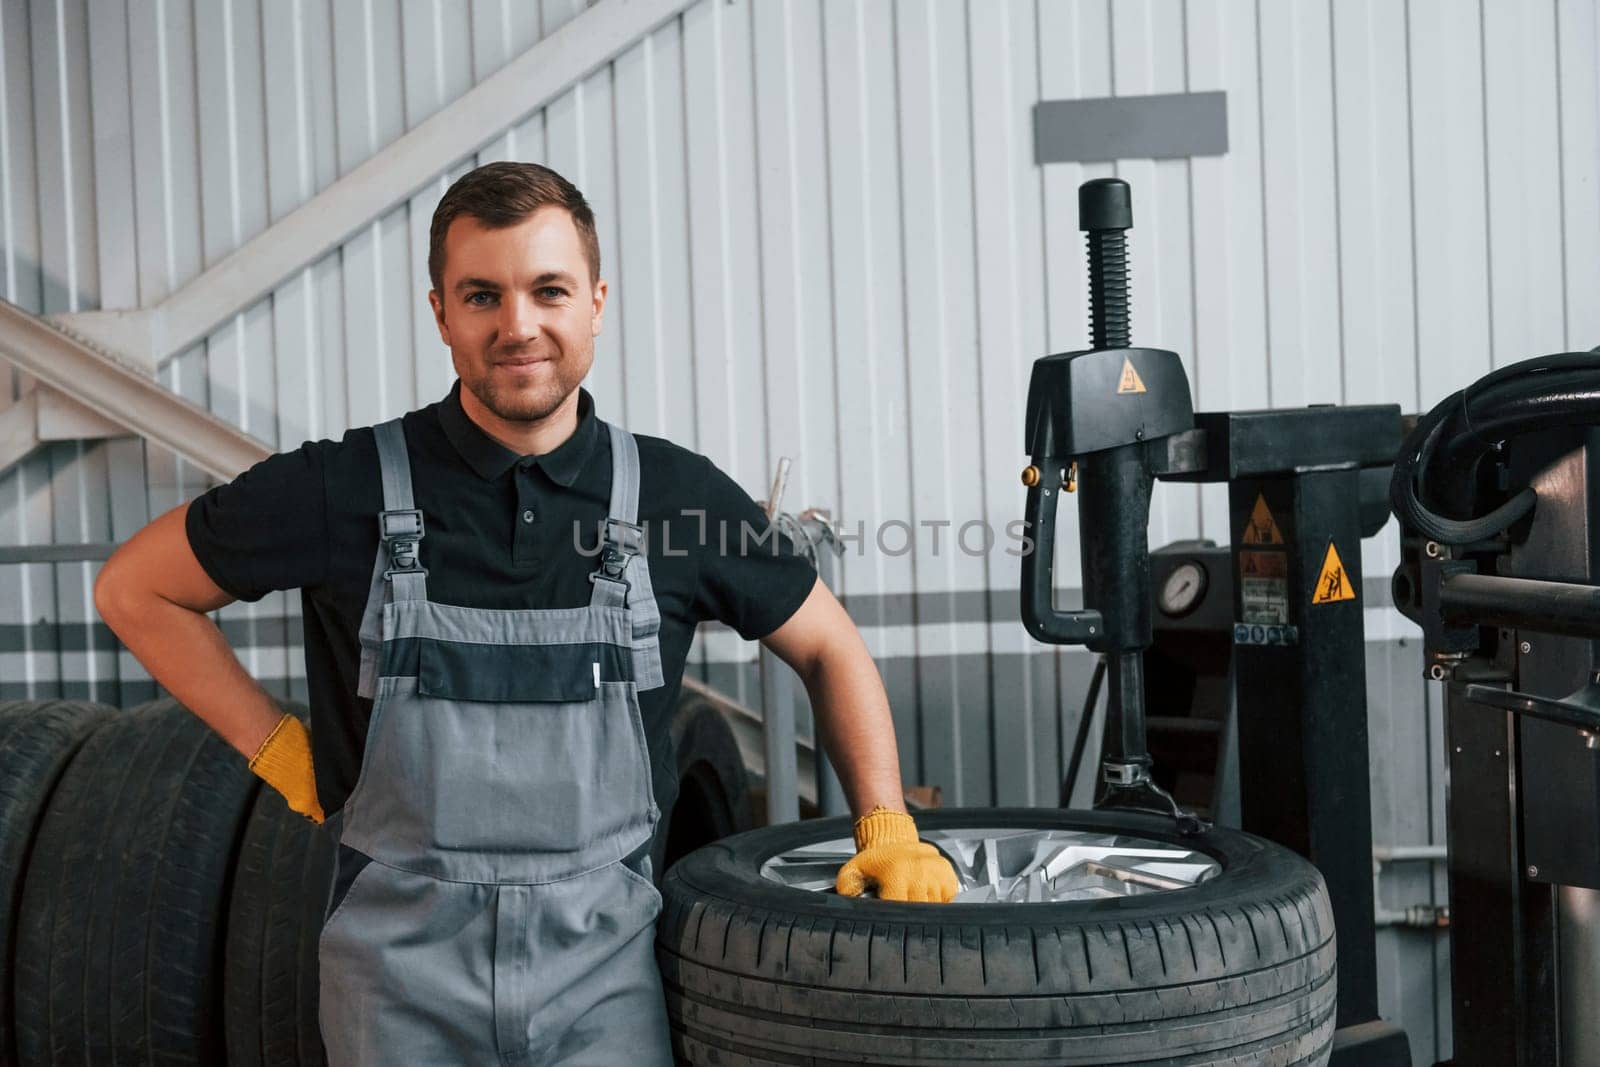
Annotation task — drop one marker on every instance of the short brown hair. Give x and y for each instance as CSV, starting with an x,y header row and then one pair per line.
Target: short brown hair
x,y
503,194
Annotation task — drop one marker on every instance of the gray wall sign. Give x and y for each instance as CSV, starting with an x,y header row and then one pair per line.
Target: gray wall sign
x,y
1131,127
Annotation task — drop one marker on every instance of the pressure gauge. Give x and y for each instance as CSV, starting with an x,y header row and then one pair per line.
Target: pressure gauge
x,y
1184,588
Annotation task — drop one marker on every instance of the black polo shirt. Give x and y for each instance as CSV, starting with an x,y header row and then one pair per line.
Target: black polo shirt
x,y
502,531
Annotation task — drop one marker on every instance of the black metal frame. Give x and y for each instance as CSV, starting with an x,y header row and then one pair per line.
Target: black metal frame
x,y
1300,683
1502,974
1508,627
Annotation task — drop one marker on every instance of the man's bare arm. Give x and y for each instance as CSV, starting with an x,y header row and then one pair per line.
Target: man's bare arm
x,y
154,595
824,647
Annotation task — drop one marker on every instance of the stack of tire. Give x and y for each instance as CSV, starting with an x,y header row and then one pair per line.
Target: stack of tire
x,y
159,905
156,904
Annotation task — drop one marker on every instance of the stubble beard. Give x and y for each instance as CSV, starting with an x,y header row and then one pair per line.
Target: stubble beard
x,y
530,402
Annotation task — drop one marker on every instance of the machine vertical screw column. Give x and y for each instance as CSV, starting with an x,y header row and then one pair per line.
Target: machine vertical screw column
x,y
1105,214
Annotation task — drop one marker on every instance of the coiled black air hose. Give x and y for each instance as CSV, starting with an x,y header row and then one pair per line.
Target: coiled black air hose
x,y
1569,397
1512,400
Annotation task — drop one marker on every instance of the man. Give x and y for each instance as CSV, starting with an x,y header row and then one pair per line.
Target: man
x,y
499,592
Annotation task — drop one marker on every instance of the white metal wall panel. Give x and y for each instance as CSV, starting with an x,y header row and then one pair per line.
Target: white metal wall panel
x,y
61,125
723,247
649,304
19,274
936,174
793,271
867,338
1146,45
826,238
1009,316
1230,290
112,160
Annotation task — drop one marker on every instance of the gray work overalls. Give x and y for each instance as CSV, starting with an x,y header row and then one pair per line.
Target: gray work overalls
x,y
481,912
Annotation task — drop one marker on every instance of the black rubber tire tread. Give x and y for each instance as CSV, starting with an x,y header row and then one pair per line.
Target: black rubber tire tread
x,y
120,942
1239,970
37,740
280,888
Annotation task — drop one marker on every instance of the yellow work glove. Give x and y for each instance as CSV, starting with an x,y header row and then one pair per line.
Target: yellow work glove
x,y
284,762
890,858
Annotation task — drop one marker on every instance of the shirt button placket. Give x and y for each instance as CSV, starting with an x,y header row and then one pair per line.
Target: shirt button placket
x,y
522,548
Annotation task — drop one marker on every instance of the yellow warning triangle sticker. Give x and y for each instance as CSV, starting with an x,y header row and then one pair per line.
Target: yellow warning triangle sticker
x,y
1262,529
1131,382
1333,584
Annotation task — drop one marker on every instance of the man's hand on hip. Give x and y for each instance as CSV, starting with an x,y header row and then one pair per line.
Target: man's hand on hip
x,y
284,762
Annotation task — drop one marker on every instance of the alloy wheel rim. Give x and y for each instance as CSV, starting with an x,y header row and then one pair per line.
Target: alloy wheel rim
x,y
1023,866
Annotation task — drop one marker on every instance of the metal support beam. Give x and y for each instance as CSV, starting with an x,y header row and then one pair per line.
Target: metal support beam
x,y
777,701
777,718
44,414
113,393
19,429
127,333
61,418
1302,696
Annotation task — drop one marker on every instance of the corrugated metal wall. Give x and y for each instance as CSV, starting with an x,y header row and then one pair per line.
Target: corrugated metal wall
x,y
827,239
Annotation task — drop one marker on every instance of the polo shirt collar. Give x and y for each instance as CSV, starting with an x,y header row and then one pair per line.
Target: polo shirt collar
x,y
491,459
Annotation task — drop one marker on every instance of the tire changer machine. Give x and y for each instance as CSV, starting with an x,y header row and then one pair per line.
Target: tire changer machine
x,y
1494,493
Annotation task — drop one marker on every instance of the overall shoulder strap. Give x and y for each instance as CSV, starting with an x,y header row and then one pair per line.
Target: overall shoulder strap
x,y
621,538
623,576
397,570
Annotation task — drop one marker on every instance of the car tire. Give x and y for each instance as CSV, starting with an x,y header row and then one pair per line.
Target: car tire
x,y
281,882
1235,970
37,740
119,943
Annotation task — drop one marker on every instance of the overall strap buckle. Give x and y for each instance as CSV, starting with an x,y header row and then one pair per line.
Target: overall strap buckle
x,y
621,542
401,532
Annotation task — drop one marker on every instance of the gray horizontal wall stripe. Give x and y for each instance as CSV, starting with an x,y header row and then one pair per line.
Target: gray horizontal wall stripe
x,y
885,609
126,694
984,605
64,553
97,636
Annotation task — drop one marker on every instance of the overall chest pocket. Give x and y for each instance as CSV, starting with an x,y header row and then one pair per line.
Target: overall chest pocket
x,y
506,673
514,751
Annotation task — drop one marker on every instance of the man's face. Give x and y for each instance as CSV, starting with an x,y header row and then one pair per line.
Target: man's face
x,y
518,312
